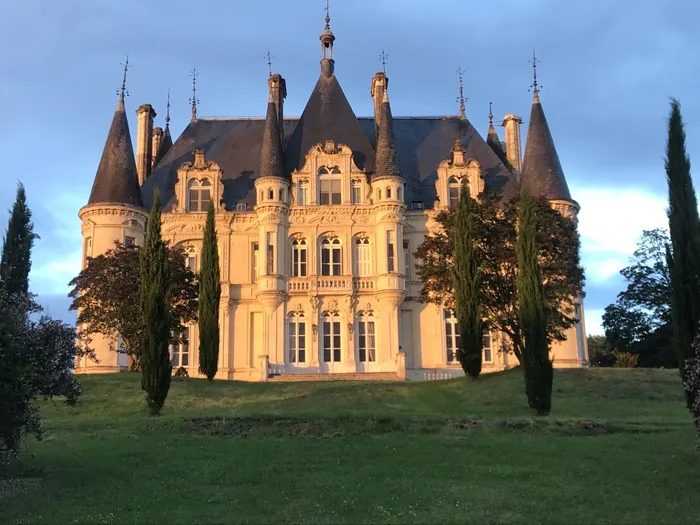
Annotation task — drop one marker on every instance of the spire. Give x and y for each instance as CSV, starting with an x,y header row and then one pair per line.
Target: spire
x,y
271,156
194,100
387,164
542,172
327,39
166,142
116,180
535,87
384,57
494,141
461,99
122,92
269,58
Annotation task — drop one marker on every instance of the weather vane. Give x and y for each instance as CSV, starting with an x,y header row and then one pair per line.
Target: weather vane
x,y
167,113
123,92
490,113
535,87
328,14
384,57
194,100
462,101
269,61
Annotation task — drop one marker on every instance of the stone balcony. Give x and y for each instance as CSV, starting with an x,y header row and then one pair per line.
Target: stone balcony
x,y
337,284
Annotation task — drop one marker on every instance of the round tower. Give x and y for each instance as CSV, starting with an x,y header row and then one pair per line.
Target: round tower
x,y
114,213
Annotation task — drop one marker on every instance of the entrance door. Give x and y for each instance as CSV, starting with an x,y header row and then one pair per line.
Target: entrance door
x,y
366,343
330,348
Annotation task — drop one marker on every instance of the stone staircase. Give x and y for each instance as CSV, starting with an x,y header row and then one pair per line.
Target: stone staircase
x,y
368,376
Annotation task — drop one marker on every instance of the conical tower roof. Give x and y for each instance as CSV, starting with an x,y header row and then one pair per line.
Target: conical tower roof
x,y
494,141
542,172
165,144
387,164
271,154
116,181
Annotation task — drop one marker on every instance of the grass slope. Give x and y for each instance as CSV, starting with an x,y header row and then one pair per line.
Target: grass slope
x,y
618,448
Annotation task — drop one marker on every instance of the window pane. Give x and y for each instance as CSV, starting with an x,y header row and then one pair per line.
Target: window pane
x,y
335,198
194,200
205,198
325,198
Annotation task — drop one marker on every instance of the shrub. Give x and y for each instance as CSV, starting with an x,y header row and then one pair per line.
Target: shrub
x,y
625,360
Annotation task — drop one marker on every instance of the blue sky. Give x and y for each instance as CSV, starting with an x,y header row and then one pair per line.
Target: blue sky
x,y
607,70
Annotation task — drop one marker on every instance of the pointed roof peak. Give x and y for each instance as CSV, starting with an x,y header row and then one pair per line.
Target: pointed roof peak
x,y
461,99
387,163
535,87
272,155
542,172
116,180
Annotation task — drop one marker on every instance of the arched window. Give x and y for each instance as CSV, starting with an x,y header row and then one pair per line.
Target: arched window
x,y
180,353
270,194
356,192
330,186
297,337
452,340
365,337
390,252
199,195
331,256
191,259
331,338
363,257
303,194
454,187
299,258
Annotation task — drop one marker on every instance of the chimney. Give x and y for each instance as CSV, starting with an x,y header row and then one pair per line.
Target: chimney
x,y
157,137
513,143
144,141
278,92
380,83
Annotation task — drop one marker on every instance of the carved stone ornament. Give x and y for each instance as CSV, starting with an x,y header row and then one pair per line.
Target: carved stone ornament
x,y
332,306
314,300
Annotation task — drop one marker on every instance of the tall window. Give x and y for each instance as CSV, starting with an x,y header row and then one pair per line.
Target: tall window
x,y
390,252
365,337
129,241
255,261
180,353
331,256
303,194
191,260
199,195
454,187
297,338
363,257
331,338
88,247
299,255
451,336
270,270
330,186
452,340
356,194
407,260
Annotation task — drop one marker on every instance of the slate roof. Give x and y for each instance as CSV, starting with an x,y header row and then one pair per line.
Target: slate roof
x,y
271,156
165,144
494,142
116,181
387,163
542,171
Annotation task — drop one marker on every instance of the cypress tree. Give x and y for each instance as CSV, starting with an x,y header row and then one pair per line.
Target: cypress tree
x,y
16,251
533,321
466,277
684,226
209,295
155,359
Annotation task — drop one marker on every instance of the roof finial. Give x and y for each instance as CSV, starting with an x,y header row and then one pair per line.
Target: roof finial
x,y
269,61
490,113
194,100
167,113
123,92
462,101
535,87
328,14
383,57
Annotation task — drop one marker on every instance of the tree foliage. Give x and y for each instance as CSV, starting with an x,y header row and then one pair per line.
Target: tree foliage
x,y
209,296
532,311
36,357
600,353
684,255
104,291
466,279
558,259
156,367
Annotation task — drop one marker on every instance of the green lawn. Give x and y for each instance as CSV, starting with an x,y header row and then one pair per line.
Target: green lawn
x,y
619,447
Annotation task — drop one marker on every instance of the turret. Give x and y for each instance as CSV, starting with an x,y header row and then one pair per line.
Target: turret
x,y
114,212
494,142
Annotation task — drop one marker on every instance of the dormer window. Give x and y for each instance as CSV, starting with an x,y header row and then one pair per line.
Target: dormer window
x,y
199,195
330,184
241,206
356,194
454,187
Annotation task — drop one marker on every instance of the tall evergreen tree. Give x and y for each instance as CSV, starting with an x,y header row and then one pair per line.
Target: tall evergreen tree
x,y
16,251
209,295
684,226
155,358
466,276
533,319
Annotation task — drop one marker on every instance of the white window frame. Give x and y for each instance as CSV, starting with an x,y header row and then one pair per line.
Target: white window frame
x,y
303,194
331,338
179,353
366,338
390,252
407,259
255,261
452,338
332,176
300,258
297,338
330,267
363,257
269,253
356,192
454,185
199,189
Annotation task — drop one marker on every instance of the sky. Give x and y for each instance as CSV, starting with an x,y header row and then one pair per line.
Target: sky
x,y
607,71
